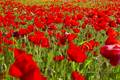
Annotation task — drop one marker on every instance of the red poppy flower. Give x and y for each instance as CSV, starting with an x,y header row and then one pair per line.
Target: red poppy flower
x,y
112,40
22,23
1,19
111,32
28,17
18,52
71,37
22,17
52,27
14,71
58,20
84,25
113,24
79,16
50,32
45,42
118,20
67,21
89,46
7,41
24,67
111,52
76,54
9,34
30,28
74,23
77,76
34,75
38,23
23,31
58,58
62,38
76,30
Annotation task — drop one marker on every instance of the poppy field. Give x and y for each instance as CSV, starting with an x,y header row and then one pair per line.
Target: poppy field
x,y
59,40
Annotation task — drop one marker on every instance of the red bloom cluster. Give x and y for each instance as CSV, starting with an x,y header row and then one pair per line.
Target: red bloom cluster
x,y
50,24
39,39
24,67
